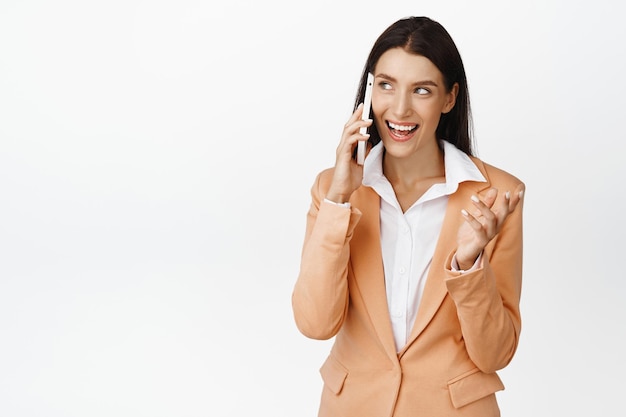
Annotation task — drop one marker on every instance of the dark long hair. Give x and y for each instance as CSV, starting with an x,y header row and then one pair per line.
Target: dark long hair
x,y
423,36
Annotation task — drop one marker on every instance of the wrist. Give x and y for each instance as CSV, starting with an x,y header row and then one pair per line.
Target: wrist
x,y
338,198
465,265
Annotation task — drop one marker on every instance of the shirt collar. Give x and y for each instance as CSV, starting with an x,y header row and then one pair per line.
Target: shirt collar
x,y
457,164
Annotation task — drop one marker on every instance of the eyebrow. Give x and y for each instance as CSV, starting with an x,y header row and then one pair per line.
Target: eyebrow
x,y
392,79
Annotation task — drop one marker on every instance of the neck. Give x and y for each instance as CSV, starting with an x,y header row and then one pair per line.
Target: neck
x,y
406,172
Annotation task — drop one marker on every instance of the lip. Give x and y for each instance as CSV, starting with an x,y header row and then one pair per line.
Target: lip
x,y
403,138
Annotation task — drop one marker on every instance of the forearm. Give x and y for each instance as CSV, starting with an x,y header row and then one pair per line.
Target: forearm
x,y
487,300
490,326
320,296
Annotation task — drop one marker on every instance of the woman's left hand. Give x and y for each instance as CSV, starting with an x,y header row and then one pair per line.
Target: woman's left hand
x,y
483,223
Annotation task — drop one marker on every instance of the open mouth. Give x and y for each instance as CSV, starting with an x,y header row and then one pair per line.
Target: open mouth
x,y
401,130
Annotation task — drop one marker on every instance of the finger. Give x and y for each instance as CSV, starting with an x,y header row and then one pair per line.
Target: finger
x,y
352,139
511,201
352,128
352,133
348,144
356,120
490,197
356,115
473,221
518,194
362,123
516,197
504,208
484,209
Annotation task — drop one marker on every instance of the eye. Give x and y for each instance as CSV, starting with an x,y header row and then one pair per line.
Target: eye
x,y
422,91
385,85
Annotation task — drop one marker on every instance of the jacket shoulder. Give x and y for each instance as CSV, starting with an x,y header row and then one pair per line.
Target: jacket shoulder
x,y
497,176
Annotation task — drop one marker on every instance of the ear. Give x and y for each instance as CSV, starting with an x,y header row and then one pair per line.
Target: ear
x,y
451,98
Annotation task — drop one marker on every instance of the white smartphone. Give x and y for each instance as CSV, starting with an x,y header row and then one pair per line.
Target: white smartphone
x,y
367,105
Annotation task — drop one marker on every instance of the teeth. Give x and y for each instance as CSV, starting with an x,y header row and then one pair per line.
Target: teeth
x,y
403,128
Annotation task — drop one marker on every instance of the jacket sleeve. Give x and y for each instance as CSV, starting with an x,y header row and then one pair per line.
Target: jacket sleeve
x,y
487,299
320,296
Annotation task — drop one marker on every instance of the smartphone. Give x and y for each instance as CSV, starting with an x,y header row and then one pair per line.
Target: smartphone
x,y
367,105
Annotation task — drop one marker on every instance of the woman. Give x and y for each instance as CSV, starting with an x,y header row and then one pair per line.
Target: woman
x,y
413,261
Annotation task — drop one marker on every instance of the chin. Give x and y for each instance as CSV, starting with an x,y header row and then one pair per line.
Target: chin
x,y
396,150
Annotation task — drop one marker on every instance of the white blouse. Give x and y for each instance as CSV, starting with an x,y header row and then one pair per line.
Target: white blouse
x,y
408,239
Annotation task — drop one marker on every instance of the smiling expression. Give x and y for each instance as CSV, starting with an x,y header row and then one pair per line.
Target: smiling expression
x,y
408,99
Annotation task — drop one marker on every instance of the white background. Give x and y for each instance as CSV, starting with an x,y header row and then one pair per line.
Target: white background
x,y
155,165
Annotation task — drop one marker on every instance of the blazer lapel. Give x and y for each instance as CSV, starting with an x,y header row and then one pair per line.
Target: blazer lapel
x,y
367,262
435,288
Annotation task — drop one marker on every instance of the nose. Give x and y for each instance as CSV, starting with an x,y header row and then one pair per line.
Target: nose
x,y
402,105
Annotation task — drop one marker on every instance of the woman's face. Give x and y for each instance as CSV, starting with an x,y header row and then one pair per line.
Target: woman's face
x,y
408,99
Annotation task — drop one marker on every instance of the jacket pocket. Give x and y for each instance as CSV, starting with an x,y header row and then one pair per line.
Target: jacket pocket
x,y
473,385
333,375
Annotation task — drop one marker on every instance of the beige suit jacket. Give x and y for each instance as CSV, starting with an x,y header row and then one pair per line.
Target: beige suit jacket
x,y
467,325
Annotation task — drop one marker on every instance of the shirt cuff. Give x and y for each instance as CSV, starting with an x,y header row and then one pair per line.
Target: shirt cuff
x,y
454,265
346,205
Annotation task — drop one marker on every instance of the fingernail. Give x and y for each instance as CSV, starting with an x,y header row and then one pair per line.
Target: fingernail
x,y
521,194
474,199
507,195
464,212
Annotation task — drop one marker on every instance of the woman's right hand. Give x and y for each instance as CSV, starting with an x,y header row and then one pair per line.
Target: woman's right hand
x,y
348,174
